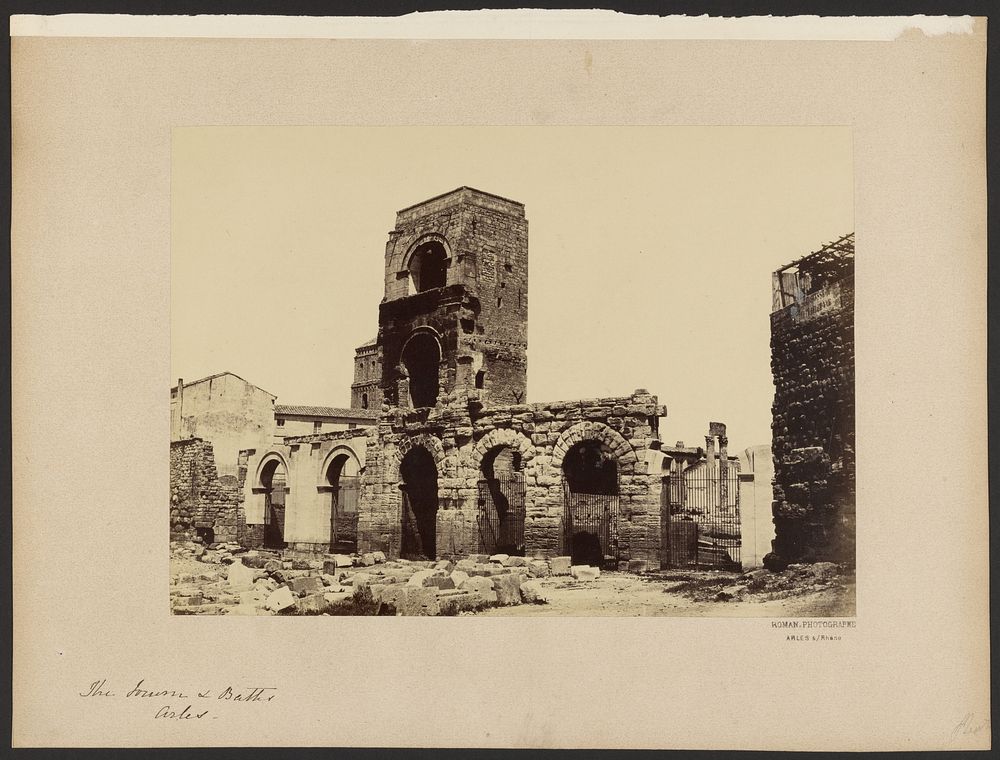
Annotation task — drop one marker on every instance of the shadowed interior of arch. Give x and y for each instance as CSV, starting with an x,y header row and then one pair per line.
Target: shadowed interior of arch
x,y
501,502
420,504
274,479
422,357
428,267
342,476
590,470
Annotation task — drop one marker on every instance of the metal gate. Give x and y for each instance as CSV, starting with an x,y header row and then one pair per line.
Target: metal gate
x,y
501,515
274,518
590,527
344,515
704,519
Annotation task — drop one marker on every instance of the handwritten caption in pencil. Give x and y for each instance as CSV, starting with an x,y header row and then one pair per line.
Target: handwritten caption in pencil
x,y
181,704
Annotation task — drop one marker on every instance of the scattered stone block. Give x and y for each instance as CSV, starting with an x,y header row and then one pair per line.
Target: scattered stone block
x,y
453,602
272,566
312,603
444,564
538,568
336,597
508,589
531,592
514,562
499,558
379,557
309,584
418,578
638,566
479,559
280,599
330,580
258,561
585,572
239,574
439,581
337,560
458,577
482,587
560,565
250,597
301,564
367,559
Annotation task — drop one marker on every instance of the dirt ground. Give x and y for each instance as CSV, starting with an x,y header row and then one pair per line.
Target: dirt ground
x,y
692,594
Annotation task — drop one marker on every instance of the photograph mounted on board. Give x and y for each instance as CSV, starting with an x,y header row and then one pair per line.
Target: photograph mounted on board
x,y
403,461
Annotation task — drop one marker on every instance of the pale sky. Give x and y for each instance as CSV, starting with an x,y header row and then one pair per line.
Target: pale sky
x,y
650,252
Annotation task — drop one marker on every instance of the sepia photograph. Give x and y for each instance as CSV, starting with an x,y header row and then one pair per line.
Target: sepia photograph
x,y
355,433
613,335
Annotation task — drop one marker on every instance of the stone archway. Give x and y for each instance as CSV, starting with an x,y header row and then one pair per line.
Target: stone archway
x,y
340,478
419,493
591,457
419,462
272,485
596,431
420,359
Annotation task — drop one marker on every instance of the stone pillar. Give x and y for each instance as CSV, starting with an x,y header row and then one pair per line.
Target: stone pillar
x,y
723,472
710,493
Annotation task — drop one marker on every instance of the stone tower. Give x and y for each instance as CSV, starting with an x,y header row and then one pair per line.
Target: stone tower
x,y
455,312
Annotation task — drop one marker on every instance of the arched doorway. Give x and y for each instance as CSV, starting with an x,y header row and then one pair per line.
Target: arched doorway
x,y
591,494
501,502
422,358
420,504
344,483
274,482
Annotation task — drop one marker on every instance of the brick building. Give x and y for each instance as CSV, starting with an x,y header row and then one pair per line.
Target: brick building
x,y
812,362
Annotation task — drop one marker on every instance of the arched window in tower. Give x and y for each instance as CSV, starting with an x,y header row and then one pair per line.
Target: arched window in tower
x,y
428,267
421,358
364,400
481,379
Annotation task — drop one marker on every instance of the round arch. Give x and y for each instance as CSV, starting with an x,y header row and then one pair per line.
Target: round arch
x,y
499,438
421,355
426,440
595,431
265,460
336,452
427,262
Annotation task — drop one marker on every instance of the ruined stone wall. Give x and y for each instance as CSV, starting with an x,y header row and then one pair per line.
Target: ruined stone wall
x,y
460,432
200,501
812,361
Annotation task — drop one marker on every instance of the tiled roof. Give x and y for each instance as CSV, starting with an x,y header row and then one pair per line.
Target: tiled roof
x,y
369,343
325,411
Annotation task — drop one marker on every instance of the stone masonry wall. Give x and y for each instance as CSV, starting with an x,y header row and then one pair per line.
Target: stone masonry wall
x,y
198,498
812,350
459,432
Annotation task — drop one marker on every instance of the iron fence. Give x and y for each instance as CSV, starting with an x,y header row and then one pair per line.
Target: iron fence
x,y
501,514
702,512
590,527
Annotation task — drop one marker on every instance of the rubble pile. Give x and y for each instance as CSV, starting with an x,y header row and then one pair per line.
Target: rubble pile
x,y
235,581
760,584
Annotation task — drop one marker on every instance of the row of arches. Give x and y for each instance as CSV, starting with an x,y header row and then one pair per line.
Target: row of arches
x,y
340,480
590,469
592,459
